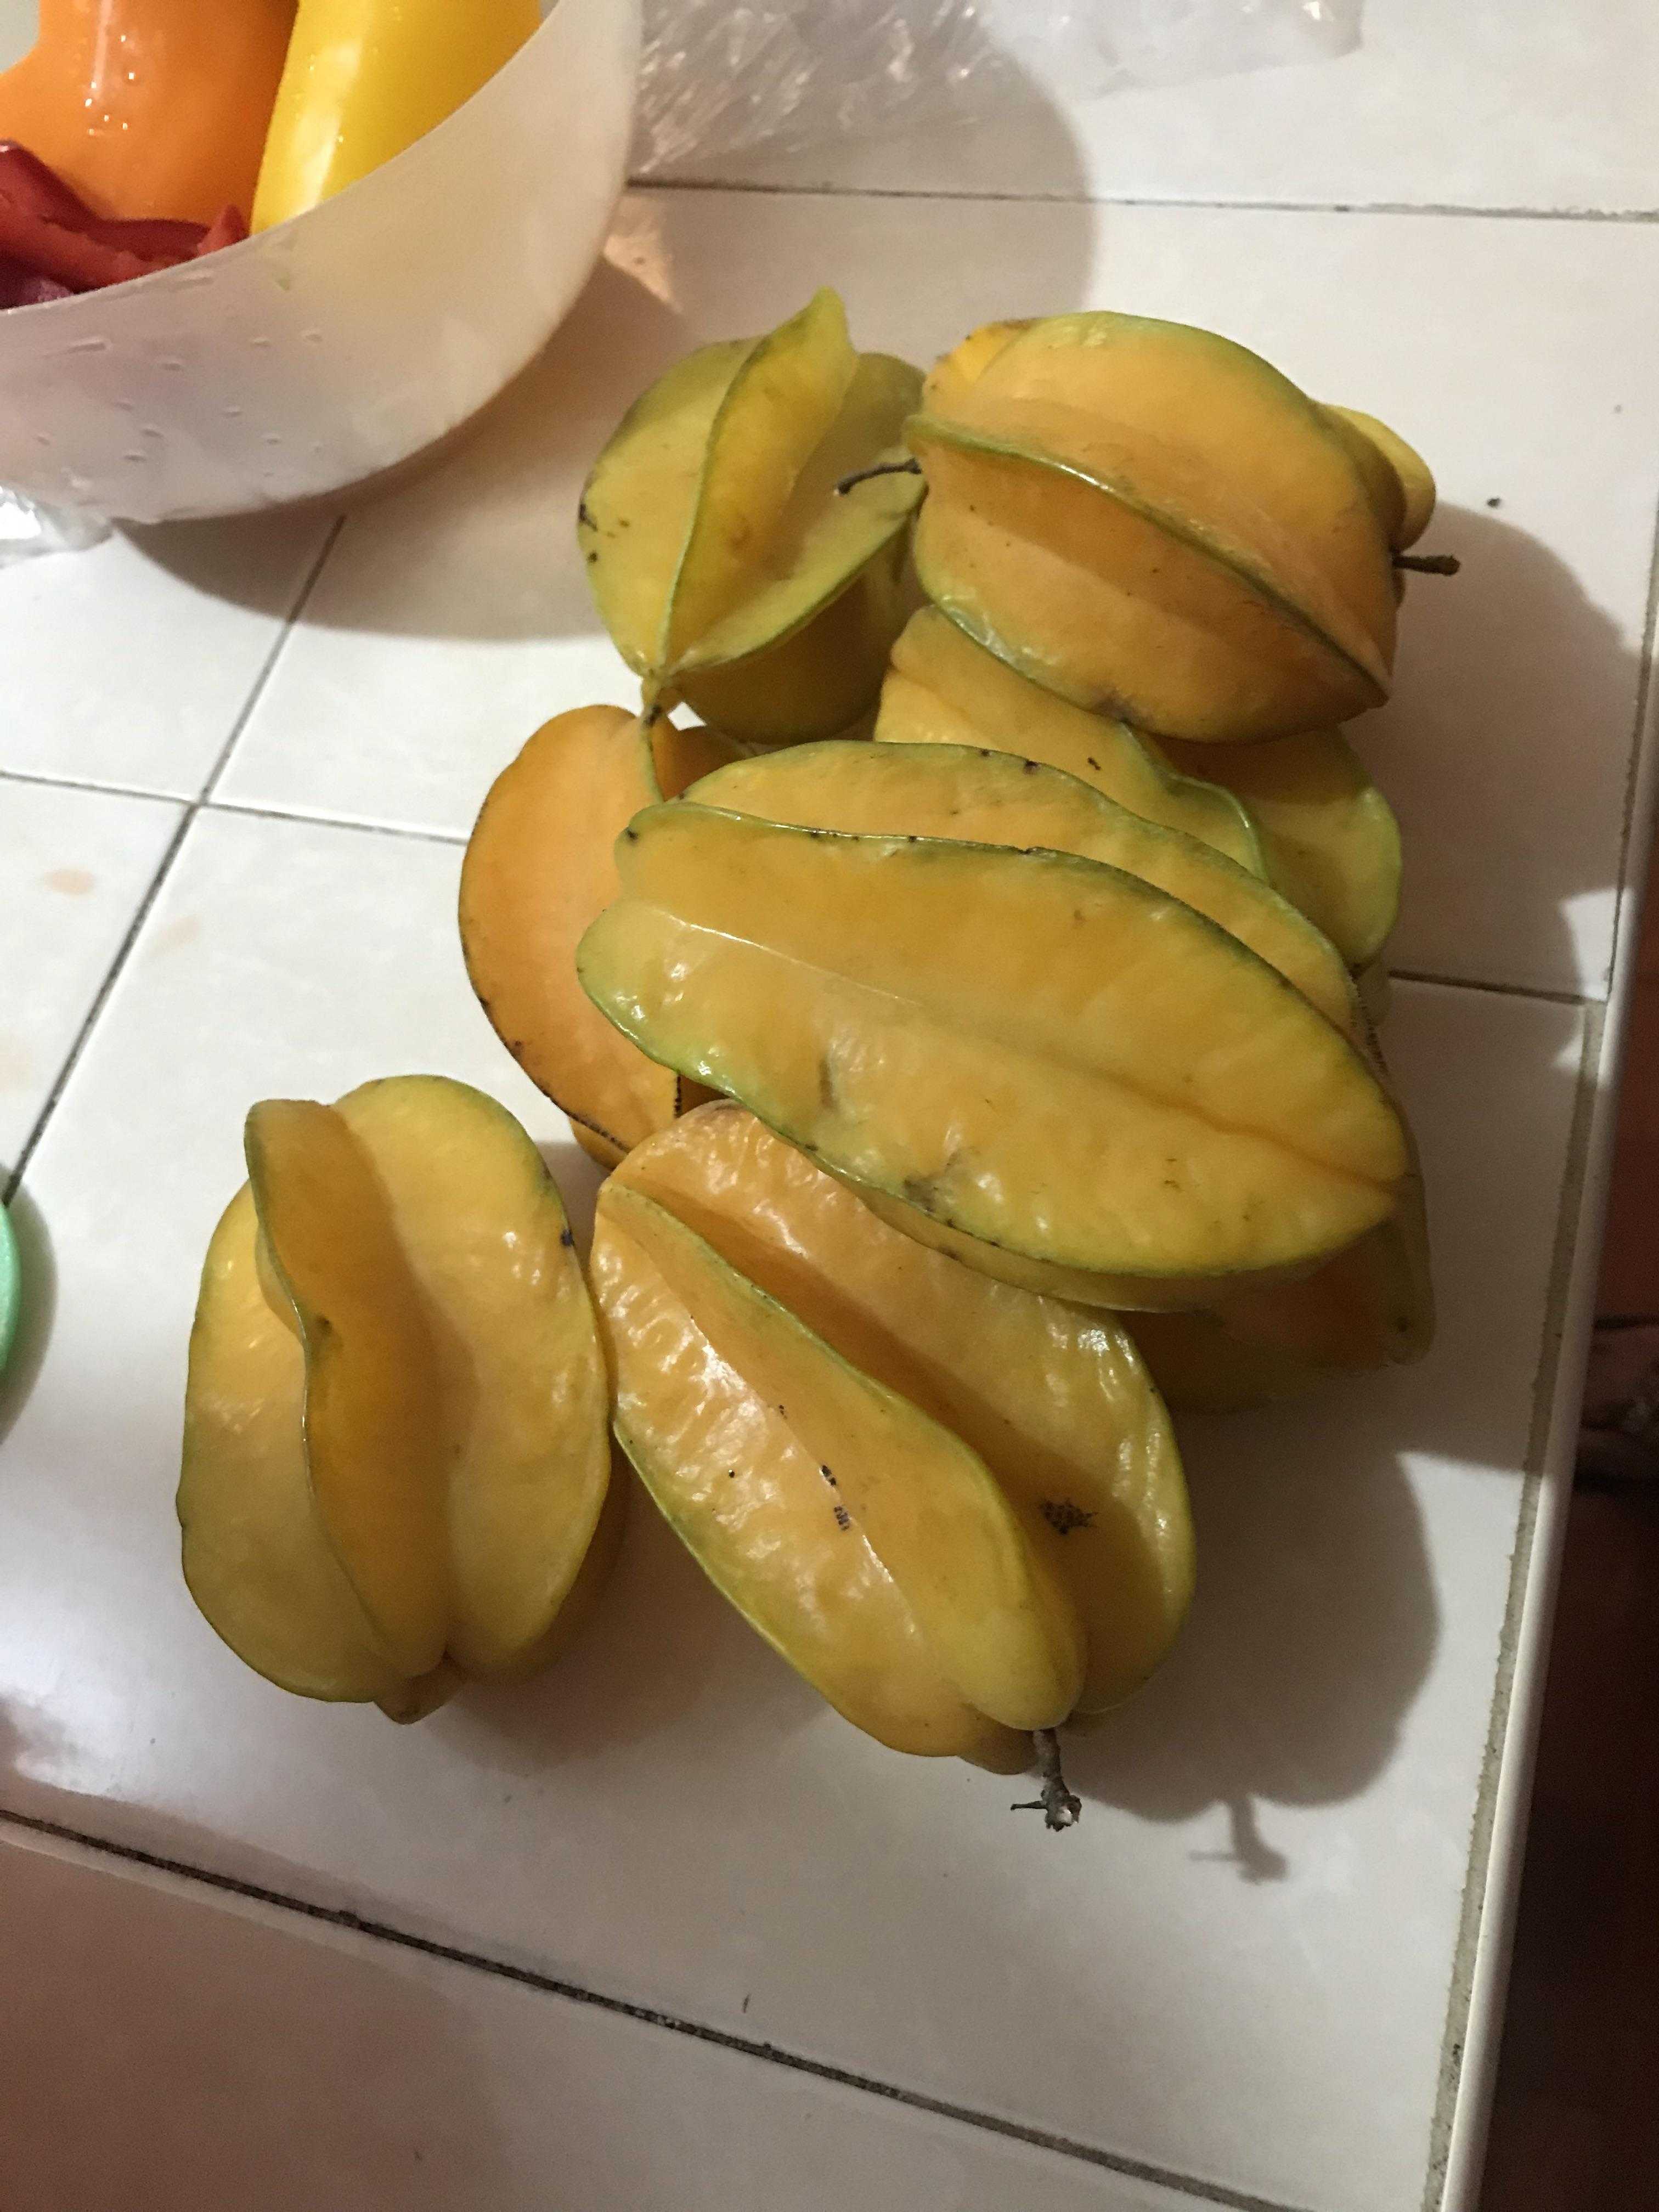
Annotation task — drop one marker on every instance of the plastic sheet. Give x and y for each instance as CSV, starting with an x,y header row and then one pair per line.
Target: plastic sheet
x,y
721,79
27,529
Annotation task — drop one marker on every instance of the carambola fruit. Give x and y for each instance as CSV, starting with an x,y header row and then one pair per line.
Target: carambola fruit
x,y
1042,1063
956,1509
729,569
1152,521
538,869
395,1470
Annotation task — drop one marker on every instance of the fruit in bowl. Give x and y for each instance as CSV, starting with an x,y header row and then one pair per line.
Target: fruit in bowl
x,y
302,362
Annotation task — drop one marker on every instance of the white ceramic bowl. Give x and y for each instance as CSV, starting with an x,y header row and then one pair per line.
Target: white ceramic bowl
x,y
338,346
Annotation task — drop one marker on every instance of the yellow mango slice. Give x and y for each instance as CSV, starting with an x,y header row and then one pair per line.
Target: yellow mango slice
x,y
1329,838
396,1469
521,1381
538,869
1406,504
1223,436
994,798
255,1559
1053,1398
993,1624
373,1428
716,539
1044,1055
942,688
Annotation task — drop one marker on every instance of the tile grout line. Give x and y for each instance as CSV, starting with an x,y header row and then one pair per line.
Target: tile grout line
x,y
301,601
1187,2185
1545,1387
39,782
191,810
1533,991
832,192
455,838
1537,991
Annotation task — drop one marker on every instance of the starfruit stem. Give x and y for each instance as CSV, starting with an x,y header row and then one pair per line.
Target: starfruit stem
x,y
881,469
1060,1808
1429,564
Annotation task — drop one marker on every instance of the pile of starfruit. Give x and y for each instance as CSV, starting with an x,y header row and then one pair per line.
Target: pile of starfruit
x,y
972,1003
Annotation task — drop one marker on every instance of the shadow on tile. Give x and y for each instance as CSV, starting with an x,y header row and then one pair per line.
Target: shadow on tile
x,y
1499,670
39,1308
509,483
1313,1631
1317,1619
478,543
662,1645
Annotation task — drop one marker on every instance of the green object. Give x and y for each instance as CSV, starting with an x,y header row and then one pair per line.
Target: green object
x,y
11,1287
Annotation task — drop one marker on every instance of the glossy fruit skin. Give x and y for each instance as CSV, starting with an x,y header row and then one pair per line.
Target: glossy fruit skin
x,y
1370,1306
1301,812
396,1475
1052,1398
539,868
942,688
1033,1053
1328,838
992,798
731,569
365,78
152,108
1151,522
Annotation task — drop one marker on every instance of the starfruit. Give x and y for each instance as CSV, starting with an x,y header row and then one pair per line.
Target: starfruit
x,y
1329,838
1038,1061
396,1473
1300,811
539,868
942,688
1370,1306
987,798
955,1508
729,568
1150,520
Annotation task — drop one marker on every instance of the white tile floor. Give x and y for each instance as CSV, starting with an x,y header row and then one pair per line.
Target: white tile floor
x,y
76,865
1247,1978
415,2085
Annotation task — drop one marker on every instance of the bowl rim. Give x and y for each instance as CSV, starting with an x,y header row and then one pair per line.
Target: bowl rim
x,y
38,310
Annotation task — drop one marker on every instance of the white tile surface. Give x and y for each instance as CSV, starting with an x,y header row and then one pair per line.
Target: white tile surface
x,y
130,663
452,621
165,2051
75,865
1491,103
1235,1970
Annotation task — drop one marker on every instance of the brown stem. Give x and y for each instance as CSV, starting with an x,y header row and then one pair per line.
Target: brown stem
x,y
881,469
1429,564
1060,1807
